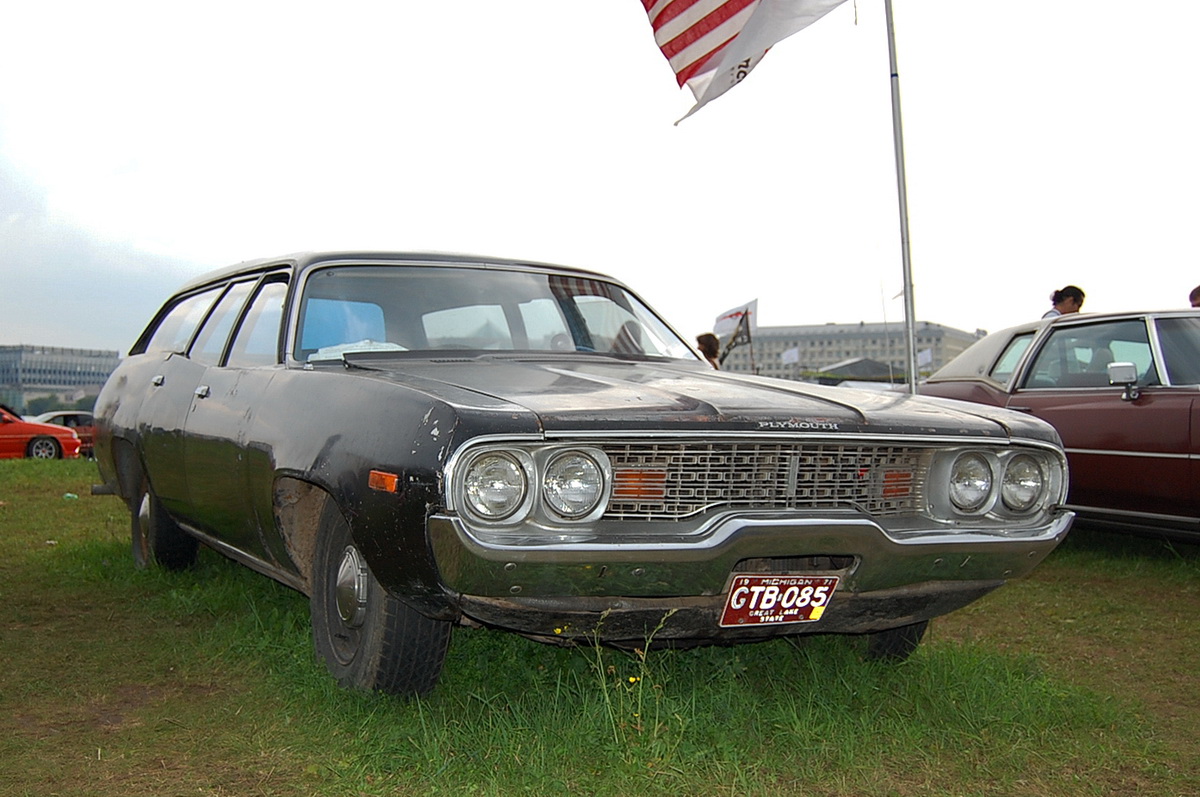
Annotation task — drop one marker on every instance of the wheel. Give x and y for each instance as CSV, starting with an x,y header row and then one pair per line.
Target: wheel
x,y
367,638
157,538
895,644
43,448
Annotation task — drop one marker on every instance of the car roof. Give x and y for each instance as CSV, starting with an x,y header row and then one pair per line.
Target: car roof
x,y
302,261
977,360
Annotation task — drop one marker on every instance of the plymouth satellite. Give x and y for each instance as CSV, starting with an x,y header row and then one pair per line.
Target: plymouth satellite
x,y
423,441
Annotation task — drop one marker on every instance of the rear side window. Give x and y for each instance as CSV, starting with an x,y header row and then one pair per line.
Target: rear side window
x,y
1002,371
211,341
179,324
257,339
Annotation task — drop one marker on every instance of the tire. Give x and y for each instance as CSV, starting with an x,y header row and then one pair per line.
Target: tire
x,y
895,644
156,538
368,639
43,448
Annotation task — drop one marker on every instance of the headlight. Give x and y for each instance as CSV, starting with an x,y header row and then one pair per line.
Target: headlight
x,y
970,482
495,485
1023,484
573,485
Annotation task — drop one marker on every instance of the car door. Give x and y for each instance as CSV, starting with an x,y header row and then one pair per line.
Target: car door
x,y
169,378
240,353
1124,455
1179,348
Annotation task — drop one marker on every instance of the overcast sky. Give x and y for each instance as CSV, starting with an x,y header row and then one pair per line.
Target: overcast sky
x,y
1046,143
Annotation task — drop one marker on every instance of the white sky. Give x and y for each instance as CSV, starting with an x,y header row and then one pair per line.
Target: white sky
x,y
1046,143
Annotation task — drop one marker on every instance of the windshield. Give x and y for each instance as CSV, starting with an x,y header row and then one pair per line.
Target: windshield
x,y
428,308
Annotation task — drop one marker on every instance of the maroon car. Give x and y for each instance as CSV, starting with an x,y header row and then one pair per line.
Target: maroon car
x,y
79,421
1123,391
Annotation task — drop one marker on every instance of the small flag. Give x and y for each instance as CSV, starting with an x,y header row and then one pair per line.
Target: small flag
x,y
728,321
741,334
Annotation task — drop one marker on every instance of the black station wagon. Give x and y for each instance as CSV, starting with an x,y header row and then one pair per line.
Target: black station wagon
x,y
420,441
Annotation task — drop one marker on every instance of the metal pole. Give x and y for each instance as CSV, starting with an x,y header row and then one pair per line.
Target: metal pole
x,y
898,136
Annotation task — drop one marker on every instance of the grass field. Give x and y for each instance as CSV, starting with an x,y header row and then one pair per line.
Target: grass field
x,y
1080,680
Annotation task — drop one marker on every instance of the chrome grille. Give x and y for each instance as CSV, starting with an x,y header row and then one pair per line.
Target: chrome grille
x,y
668,481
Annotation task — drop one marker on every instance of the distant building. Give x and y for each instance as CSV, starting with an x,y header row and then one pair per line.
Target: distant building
x,y
29,372
803,352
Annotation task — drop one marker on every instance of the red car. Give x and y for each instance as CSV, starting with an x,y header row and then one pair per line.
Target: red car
x,y
22,438
1123,391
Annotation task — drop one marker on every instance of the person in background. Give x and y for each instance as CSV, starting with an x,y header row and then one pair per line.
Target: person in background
x,y
1194,296
1067,300
710,347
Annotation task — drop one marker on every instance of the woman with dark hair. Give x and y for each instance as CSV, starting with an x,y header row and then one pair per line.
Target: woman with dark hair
x,y
710,347
1065,301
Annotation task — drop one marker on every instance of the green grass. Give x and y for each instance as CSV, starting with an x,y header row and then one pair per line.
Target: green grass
x,y
1077,681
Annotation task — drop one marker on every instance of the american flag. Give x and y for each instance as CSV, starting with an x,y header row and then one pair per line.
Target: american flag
x,y
691,32
713,44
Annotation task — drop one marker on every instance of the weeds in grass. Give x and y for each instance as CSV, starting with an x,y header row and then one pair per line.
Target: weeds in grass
x,y
633,691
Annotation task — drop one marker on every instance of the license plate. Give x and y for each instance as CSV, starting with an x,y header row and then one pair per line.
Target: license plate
x,y
760,600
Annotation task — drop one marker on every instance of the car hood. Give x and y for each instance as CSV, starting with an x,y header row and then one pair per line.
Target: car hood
x,y
589,393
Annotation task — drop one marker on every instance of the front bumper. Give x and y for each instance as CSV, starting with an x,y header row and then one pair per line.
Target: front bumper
x,y
619,593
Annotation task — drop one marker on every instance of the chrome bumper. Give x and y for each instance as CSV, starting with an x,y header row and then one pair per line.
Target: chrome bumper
x,y
537,589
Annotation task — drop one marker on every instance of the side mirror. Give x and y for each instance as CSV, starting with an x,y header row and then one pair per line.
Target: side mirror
x,y
1125,375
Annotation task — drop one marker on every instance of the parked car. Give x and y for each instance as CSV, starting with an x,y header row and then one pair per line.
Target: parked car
x,y
1123,391
423,441
22,438
78,420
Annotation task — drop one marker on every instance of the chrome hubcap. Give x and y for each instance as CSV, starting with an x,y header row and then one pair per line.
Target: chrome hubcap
x,y
143,531
350,589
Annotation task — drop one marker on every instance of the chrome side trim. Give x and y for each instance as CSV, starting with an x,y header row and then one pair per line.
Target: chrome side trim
x,y
1140,454
285,577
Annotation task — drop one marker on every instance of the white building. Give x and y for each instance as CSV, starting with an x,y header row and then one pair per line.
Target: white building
x,y
797,352
28,372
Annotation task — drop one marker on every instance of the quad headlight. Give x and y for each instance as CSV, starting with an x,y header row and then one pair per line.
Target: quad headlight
x,y
573,484
495,485
970,482
1024,483
1002,482
513,484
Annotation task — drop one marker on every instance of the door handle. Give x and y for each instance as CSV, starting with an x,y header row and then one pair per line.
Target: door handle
x,y
158,380
202,391
1020,409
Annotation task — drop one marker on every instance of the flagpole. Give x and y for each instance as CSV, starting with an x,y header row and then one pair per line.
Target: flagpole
x,y
902,189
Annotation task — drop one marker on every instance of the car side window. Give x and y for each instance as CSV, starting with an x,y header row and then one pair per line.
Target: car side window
x,y
1180,340
257,339
1002,371
177,326
1078,356
210,341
